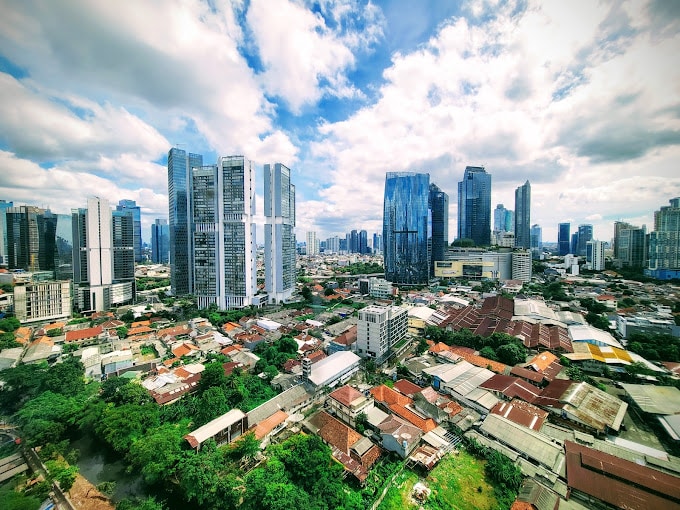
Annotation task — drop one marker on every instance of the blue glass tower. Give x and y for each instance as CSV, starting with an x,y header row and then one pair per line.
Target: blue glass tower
x,y
439,205
160,241
406,228
474,206
563,238
136,211
179,163
523,216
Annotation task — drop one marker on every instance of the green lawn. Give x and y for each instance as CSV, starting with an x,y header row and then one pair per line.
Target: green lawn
x,y
454,483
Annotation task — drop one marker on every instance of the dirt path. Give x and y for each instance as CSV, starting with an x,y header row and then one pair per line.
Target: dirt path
x,y
85,496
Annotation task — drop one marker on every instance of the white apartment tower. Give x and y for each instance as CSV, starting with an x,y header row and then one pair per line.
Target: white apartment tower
x,y
103,256
312,243
595,260
279,233
222,232
379,328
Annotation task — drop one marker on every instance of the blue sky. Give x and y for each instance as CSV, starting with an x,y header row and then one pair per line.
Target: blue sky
x,y
581,98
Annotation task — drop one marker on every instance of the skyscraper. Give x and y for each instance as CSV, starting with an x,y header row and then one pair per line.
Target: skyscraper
x,y
179,164
536,240
630,245
312,243
279,233
160,242
3,230
377,243
585,234
222,234
363,242
474,206
135,210
31,238
439,206
103,256
595,255
523,216
406,228
563,239
664,242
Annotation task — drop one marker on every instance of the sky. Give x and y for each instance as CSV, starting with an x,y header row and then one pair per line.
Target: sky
x,y
581,98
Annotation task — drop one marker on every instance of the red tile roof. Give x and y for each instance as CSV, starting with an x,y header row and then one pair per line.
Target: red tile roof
x,y
182,329
424,424
346,395
388,396
267,425
407,387
83,334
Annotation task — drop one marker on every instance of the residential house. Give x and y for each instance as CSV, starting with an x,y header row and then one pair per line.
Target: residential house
x,y
346,404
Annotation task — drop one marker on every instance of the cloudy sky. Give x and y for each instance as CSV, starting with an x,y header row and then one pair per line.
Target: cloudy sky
x,y
582,98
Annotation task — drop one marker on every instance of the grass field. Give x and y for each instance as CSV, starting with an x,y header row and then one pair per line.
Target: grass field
x,y
455,484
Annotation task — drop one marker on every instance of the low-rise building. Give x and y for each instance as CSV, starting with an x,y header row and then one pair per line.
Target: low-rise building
x,y
224,429
346,404
42,301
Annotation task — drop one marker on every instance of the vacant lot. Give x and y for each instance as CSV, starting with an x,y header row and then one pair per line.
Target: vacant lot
x,y
458,482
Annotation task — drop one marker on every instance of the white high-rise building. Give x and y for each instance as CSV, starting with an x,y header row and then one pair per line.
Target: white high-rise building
x,y
312,243
333,244
379,328
222,233
103,256
279,233
595,255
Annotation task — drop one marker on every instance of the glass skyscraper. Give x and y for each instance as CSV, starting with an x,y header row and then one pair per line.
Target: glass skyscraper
x,y
179,164
406,228
664,242
474,206
585,234
439,205
523,216
563,238
279,233
31,238
136,211
160,242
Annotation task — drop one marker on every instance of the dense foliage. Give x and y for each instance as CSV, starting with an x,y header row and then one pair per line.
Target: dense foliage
x,y
498,346
655,347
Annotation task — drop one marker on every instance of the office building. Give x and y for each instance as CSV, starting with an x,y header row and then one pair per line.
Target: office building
x,y
179,164
574,243
222,234
536,240
630,245
333,244
31,238
279,233
563,238
103,256
474,206
136,212
523,216
354,241
439,205
160,242
377,243
4,205
585,234
664,243
363,242
406,227
503,219
595,255
42,301
521,265
379,329
63,265
312,243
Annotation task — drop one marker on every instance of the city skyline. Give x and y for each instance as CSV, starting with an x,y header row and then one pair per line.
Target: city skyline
x,y
578,99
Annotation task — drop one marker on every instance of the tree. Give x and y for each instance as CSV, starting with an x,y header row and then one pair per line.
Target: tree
x,y
511,354
122,331
245,447
212,376
61,472
361,422
157,454
306,293
149,503
212,403
488,352
121,426
45,418
66,378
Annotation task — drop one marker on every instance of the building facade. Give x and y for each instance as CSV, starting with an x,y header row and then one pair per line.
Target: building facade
x,y
536,240
312,244
379,329
439,205
630,245
136,212
42,301
563,238
406,228
585,234
523,216
179,164
4,205
664,242
474,206
160,242
279,233
31,238
103,257
595,260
